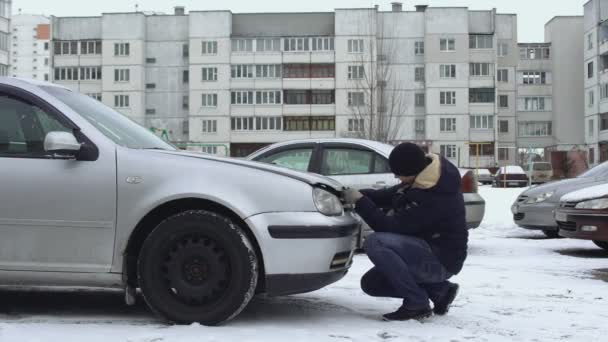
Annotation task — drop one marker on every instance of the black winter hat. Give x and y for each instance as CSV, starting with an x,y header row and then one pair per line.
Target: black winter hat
x,y
407,159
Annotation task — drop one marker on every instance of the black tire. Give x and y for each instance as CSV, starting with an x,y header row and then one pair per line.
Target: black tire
x,y
601,244
197,266
552,234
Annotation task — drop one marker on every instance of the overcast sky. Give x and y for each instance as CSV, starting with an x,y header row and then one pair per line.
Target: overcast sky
x,y
532,14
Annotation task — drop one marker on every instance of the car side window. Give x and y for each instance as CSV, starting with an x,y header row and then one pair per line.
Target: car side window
x,y
23,127
344,161
381,165
295,159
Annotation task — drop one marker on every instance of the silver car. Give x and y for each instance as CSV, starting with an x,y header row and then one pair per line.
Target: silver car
x,y
89,198
535,207
356,163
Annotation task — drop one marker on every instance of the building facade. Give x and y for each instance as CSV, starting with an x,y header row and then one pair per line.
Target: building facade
x,y
596,80
30,47
5,48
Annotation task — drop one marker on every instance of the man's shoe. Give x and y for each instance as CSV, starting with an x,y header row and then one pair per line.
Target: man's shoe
x,y
404,314
442,306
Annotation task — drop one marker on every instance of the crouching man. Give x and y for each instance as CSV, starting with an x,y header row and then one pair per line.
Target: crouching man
x,y
422,241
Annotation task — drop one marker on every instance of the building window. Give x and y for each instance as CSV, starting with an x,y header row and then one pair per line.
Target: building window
x,y
309,123
603,91
590,130
90,47
503,153
356,99
322,97
591,156
481,69
65,48
268,97
419,74
535,104
590,70
209,74
503,101
209,47
209,149
604,122
46,77
447,98
296,44
268,71
447,44
482,121
70,73
503,126
322,70
356,72
150,60
534,77
356,125
448,151
121,75
242,123
482,95
150,85
209,126
503,49
296,97
121,101
323,44
242,45
447,124
96,96
186,127
590,41
209,100
46,61
186,51
90,73
535,128
591,98
268,45
481,41
241,97
481,150
419,100
186,76
535,52
256,123
4,41
241,71
150,111
420,126
447,71
503,75
121,49
269,123
355,46
419,48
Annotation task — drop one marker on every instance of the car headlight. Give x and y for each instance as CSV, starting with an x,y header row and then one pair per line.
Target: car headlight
x,y
540,198
601,203
327,203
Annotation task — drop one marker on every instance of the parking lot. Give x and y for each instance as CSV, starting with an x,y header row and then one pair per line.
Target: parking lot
x,y
516,286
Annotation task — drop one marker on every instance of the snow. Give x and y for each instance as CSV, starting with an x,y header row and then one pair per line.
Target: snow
x,y
512,170
593,192
484,172
516,286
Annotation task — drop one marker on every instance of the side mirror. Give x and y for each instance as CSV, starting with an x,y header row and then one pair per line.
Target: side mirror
x,y
62,144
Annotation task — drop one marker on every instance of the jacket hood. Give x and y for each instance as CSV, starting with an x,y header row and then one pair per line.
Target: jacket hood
x,y
440,176
310,178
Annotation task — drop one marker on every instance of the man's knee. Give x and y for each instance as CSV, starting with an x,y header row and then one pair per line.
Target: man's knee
x,y
375,241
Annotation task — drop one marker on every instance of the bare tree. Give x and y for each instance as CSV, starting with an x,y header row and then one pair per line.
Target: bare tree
x,y
383,103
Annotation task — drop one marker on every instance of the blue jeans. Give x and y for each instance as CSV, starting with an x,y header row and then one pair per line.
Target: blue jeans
x,y
406,268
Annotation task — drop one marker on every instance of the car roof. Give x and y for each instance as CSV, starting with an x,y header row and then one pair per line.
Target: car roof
x,y
382,148
19,81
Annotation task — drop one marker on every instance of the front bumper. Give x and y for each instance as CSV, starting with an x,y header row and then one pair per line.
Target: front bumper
x,y
572,221
538,216
304,251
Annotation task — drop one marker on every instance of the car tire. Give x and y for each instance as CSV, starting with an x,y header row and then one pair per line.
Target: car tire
x,y
197,266
601,244
552,234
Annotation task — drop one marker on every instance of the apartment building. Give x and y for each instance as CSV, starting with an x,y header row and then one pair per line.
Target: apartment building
x,y
30,46
596,80
5,23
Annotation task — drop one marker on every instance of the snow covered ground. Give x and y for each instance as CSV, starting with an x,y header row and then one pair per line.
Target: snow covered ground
x,y
516,286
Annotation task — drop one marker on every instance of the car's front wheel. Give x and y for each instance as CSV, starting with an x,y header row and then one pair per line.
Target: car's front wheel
x,y
197,266
601,244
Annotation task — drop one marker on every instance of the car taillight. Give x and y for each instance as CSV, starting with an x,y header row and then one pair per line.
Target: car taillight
x,y
469,183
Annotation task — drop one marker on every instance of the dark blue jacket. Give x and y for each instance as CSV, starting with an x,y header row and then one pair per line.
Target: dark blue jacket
x,y
432,209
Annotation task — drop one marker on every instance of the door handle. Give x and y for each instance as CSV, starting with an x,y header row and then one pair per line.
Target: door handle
x,y
379,185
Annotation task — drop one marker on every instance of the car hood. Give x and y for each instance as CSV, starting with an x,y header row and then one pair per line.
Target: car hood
x,y
310,178
562,187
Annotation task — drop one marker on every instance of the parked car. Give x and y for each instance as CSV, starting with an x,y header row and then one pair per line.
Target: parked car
x,y
583,214
356,163
90,198
484,176
510,176
535,207
539,172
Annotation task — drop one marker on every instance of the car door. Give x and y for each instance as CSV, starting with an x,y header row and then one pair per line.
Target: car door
x,y
300,157
56,214
355,166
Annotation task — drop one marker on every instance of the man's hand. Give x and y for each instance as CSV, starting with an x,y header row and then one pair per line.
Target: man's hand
x,y
351,196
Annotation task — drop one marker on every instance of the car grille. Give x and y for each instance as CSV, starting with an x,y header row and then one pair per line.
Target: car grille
x,y
522,199
569,226
519,216
568,205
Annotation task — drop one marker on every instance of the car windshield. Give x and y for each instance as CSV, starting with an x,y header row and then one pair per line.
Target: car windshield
x,y
542,167
600,171
117,127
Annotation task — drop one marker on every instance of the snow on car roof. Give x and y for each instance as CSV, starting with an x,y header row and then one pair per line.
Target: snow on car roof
x,y
512,169
597,191
484,171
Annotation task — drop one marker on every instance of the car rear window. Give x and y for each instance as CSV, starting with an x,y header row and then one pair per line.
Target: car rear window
x,y
542,167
